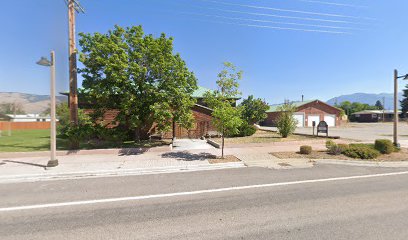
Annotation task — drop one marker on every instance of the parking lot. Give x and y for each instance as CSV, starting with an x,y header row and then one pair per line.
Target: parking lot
x,y
365,132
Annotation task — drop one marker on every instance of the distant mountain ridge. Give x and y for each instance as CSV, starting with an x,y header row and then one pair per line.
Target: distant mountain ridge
x,y
31,103
368,98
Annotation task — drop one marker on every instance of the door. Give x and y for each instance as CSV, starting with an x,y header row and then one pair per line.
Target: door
x,y
330,120
300,117
312,118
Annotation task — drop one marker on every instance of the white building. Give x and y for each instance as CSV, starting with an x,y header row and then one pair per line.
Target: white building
x,y
25,118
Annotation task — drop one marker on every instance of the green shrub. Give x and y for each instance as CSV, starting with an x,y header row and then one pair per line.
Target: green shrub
x,y
245,130
330,144
384,146
286,123
76,134
343,147
361,151
305,150
335,150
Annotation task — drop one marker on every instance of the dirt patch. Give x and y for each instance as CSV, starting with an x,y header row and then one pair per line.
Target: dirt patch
x,y
402,155
313,155
226,159
393,157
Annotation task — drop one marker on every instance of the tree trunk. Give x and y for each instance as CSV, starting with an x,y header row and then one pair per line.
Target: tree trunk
x,y
141,133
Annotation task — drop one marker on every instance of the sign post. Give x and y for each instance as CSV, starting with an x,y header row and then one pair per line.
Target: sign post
x,y
314,126
323,127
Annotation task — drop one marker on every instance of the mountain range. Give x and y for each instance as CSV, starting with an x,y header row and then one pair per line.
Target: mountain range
x,y
368,98
31,103
34,103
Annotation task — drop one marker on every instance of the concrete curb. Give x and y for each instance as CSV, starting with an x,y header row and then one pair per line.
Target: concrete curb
x,y
114,173
400,164
213,143
109,151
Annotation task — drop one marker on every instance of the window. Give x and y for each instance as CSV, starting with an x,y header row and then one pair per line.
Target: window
x,y
357,115
374,115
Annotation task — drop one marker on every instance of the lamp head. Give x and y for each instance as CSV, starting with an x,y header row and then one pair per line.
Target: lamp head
x,y
44,62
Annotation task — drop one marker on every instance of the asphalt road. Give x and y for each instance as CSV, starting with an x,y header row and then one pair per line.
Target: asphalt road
x,y
275,204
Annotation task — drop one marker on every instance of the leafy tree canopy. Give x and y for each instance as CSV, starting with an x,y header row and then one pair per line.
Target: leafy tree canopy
x,y
350,108
379,105
226,117
140,76
253,110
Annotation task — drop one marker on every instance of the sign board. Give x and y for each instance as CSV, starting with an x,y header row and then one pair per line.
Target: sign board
x,y
323,127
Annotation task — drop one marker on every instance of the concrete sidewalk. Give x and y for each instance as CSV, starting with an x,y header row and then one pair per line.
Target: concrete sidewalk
x,y
115,162
92,165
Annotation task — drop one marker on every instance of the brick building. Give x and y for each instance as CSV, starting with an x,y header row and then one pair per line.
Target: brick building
x,y
306,113
202,125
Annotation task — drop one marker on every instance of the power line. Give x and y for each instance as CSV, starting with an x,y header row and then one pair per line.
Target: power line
x,y
280,28
286,10
269,21
284,16
333,3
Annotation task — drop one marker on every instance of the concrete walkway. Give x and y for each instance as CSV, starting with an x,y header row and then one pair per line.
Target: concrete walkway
x,y
92,165
269,161
190,144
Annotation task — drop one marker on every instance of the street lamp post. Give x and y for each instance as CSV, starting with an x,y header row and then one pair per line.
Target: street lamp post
x,y
396,77
53,162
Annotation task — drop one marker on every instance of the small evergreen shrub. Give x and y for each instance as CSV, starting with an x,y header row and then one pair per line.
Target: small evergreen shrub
x,y
384,146
246,130
306,150
361,151
343,147
330,144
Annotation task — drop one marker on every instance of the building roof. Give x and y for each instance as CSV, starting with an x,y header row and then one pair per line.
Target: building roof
x,y
275,108
25,116
199,93
375,112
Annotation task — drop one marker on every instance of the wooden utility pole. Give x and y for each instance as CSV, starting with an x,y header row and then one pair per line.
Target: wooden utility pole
x,y
73,85
395,127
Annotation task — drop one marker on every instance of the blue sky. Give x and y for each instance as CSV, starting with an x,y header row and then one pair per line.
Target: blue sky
x,y
354,48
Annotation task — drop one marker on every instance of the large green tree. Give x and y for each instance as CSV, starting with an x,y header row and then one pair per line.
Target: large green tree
x,y
253,110
404,102
379,105
226,117
350,108
140,76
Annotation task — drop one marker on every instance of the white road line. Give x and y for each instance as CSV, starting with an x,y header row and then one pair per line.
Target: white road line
x,y
135,198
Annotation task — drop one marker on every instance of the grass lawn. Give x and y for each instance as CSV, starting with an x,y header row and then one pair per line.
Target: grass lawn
x,y
25,141
39,140
264,137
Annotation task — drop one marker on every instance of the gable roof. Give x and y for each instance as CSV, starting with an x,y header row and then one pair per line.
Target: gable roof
x,y
297,104
200,91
